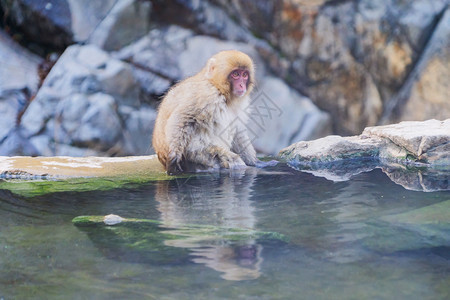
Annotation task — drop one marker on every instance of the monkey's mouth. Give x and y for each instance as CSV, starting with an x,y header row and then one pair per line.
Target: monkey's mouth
x,y
239,93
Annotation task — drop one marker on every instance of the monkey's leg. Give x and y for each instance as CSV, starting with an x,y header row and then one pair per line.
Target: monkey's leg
x,y
200,159
179,129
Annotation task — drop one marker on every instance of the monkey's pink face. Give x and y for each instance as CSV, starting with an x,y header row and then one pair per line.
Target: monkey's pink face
x,y
239,81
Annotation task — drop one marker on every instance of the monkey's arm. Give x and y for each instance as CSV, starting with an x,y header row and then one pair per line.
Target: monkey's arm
x,y
242,145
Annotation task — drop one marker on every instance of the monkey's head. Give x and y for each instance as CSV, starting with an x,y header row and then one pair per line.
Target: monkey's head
x,y
232,73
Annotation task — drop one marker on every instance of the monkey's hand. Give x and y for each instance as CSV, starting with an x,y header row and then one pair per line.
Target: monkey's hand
x,y
173,164
263,164
232,161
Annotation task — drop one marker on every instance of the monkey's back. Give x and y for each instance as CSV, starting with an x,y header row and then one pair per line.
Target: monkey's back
x,y
191,100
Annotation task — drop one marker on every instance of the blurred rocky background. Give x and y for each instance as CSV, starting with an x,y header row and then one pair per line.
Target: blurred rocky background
x,y
84,77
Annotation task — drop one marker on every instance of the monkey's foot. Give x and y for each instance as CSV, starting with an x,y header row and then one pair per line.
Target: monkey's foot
x,y
173,164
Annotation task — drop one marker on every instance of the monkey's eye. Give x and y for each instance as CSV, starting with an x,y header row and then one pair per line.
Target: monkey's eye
x,y
235,74
245,75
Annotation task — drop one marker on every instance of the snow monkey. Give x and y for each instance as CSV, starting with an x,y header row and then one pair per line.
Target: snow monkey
x,y
201,121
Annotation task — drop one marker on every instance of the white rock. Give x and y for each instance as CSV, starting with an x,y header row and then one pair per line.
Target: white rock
x,y
112,219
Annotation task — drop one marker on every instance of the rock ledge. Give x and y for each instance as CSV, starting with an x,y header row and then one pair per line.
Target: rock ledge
x,y
414,143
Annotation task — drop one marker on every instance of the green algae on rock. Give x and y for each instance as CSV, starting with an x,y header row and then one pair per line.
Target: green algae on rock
x,y
208,232
33,176
400,232
60,167
438,214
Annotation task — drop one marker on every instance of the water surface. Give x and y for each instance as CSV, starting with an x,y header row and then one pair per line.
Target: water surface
x,y
343,241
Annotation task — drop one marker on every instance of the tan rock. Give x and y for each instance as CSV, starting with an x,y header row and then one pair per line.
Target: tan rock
x,y
73,167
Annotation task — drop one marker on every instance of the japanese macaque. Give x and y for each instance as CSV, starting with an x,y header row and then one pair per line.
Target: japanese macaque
x,y
201,121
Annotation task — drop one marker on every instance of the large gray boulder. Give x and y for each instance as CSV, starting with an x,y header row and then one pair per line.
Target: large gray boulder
x,y
19,67
88,120
279,115
19,81
139,126
332,148
352,57
81,69
426,91
158,52
415,155
110,24
88,101
127,21
426,142
418,143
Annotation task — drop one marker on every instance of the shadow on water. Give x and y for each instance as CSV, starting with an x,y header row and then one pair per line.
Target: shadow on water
x,y
345,238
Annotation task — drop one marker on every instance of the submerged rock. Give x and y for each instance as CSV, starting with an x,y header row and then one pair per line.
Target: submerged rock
x,y
112,219
414,230
437,214
152,242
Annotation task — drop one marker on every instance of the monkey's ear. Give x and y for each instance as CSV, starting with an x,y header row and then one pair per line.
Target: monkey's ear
x,y
210,67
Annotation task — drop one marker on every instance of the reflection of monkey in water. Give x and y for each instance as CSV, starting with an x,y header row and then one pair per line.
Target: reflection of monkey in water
x,y
195,201
201,120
